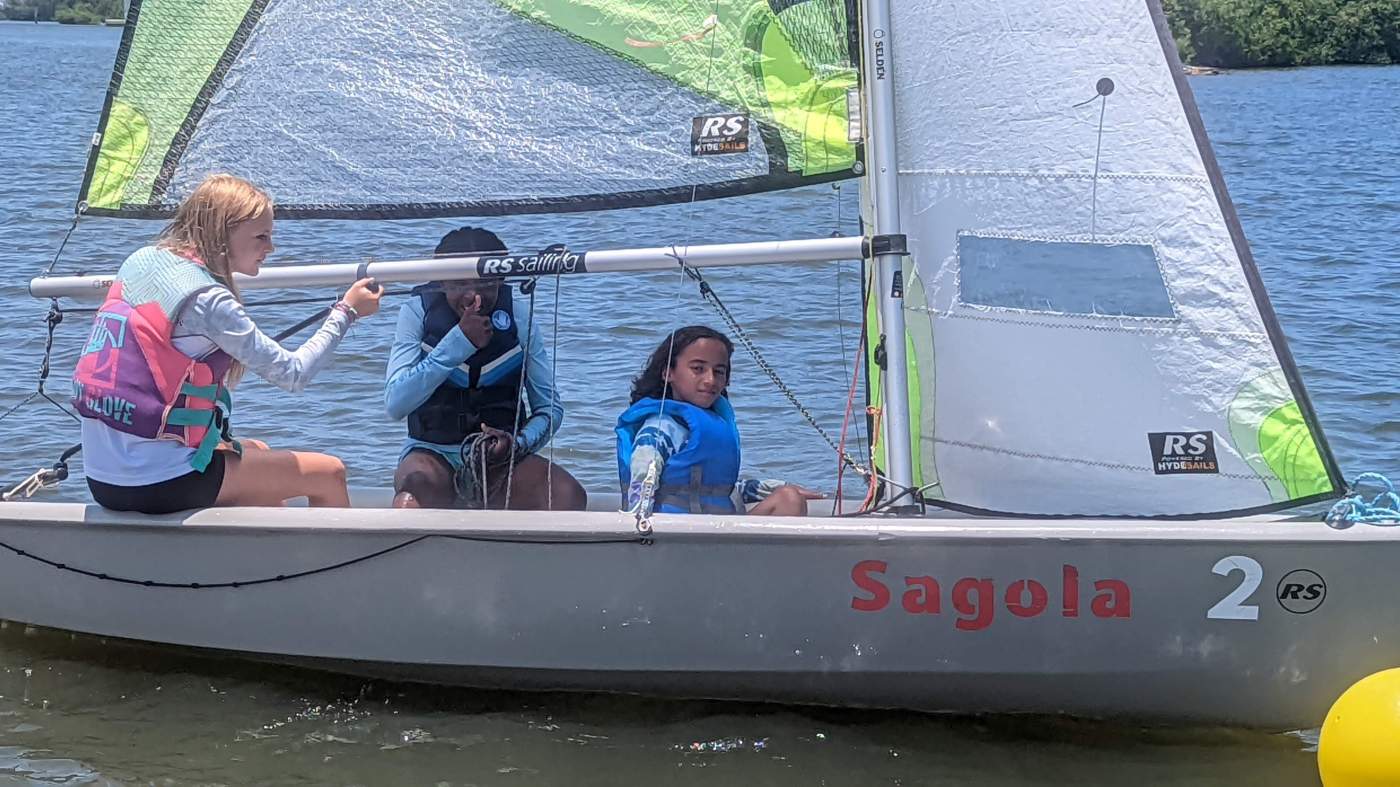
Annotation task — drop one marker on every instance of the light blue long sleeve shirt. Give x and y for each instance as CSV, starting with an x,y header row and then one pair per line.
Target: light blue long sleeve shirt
x,y
412,376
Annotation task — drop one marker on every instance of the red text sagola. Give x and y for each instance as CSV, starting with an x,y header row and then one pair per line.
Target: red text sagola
x,y
974,599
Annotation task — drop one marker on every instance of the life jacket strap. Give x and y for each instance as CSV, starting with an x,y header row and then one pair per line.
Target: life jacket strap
x,y
210,392
697,497
223,405
189,416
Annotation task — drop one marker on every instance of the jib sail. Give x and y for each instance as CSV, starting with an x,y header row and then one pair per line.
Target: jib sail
x,y
1087,330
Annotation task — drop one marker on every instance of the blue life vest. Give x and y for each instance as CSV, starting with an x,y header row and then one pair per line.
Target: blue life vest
x,y
700,476
484,389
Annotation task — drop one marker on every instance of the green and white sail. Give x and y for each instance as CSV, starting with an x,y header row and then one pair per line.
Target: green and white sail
x,y
447,107
1088,333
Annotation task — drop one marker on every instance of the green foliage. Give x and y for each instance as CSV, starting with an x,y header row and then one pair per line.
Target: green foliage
x,y
1221,33
1244,33
73,12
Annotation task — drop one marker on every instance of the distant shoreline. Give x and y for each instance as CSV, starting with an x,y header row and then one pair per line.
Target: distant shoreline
x,y
1211,35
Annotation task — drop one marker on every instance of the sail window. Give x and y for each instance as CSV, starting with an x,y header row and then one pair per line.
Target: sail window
x,y
1110,278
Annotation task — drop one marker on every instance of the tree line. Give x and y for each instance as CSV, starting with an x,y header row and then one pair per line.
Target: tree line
x,y
1219,33
72,12
1249,33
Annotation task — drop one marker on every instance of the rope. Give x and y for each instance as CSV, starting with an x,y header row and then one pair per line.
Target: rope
x,y
54,317
850,398
22,403
644,518
46,477
1383,509
472,452
77,215
520,392
252,304
553,395
242,583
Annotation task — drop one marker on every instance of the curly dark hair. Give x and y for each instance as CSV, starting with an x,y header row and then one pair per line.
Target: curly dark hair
x,y
652,381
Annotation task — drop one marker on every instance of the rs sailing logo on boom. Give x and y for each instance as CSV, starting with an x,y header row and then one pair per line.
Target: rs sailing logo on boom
x,y
555,259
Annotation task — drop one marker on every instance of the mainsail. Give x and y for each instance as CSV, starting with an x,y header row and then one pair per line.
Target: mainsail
x,y
1087,331
474,107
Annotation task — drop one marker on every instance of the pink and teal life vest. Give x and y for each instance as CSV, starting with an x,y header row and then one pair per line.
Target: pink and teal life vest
x,y
131,377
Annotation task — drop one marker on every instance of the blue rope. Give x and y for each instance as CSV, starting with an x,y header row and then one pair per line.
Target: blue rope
x,y
1383,509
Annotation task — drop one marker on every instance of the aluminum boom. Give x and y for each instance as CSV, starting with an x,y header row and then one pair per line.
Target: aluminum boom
x,y
543,263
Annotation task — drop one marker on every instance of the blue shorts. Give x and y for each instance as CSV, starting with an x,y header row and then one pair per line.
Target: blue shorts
x,y
466,485
452,453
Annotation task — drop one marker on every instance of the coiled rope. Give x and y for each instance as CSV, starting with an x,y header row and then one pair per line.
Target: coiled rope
x,y
1383,509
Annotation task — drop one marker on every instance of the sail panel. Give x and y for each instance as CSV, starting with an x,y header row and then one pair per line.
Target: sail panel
x,y
1088,332
447,107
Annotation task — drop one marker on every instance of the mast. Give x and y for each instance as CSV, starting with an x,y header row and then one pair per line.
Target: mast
x,y
889,245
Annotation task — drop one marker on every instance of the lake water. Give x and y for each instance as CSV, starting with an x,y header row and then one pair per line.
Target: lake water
x,y
1313,164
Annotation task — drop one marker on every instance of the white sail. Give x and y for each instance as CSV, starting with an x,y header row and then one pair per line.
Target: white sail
x,y
1088,332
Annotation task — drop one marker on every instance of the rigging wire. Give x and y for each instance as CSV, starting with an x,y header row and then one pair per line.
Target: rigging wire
x,y
851,395
732,323
520,392
553,395
643,521
46,477
73,227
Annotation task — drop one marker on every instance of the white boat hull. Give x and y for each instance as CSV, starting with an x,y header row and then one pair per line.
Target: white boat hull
x,y
1095,618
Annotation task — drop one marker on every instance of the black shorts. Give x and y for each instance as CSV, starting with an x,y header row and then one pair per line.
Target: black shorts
x,y
194,489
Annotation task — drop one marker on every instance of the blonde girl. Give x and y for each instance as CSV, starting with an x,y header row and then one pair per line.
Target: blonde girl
x,y
168,345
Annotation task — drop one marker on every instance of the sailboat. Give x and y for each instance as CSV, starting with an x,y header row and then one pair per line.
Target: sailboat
x,y
1090,428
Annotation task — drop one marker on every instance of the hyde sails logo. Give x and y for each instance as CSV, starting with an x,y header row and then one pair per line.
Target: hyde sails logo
x,y
1175,453
716,135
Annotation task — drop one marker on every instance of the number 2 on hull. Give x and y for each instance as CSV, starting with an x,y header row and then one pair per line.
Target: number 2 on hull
x,y
1232,607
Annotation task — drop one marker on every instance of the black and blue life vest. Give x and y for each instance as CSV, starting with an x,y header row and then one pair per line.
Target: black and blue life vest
x,y
485,389
700,476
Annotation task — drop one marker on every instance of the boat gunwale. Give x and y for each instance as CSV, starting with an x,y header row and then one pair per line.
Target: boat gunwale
x,y
618,527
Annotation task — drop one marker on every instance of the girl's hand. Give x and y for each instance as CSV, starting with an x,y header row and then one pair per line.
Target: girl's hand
x,y
363,296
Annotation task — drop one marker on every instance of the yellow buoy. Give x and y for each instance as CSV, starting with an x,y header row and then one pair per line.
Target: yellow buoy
x,y
1360,743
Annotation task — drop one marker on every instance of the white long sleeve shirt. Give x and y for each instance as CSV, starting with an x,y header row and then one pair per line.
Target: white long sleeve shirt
x,y
211,319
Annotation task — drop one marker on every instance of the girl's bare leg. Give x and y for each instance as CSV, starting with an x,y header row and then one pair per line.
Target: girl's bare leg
x,y
264,477
786,500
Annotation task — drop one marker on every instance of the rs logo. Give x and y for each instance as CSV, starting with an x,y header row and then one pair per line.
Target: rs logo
x,y
722,125
1300,591
1185,445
